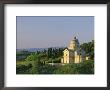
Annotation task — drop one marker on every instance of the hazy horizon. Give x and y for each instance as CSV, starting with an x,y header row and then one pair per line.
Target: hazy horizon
x,y
53,31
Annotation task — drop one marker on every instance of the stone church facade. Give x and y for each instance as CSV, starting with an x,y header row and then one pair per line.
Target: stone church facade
x,y
73,54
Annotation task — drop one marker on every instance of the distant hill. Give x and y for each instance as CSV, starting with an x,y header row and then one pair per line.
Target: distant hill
x,y
37,49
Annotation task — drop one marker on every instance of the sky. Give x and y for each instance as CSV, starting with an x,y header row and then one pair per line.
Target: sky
x,y
53,31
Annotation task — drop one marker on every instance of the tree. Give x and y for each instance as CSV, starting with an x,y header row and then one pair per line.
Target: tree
x,y
88,48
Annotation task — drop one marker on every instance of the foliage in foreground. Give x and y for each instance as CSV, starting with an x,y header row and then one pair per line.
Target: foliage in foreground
x,y
86,67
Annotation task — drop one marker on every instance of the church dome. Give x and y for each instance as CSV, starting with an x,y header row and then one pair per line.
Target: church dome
x,y
74,44
72,41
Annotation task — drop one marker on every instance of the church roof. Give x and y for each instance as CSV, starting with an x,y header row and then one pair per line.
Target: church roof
x,y
69,50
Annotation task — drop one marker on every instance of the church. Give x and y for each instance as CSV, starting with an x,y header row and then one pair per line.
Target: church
x,y
73,54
